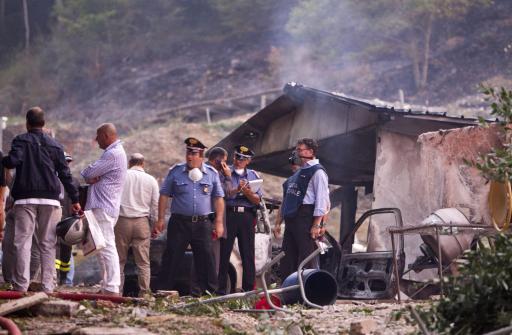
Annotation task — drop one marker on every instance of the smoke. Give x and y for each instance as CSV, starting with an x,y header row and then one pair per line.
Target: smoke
x,y
313,46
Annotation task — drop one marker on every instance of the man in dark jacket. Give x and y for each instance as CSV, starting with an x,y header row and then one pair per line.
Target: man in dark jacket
x,y
39,162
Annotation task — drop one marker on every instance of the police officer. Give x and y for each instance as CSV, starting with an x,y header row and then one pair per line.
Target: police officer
x,y
197,196
241,206
305,203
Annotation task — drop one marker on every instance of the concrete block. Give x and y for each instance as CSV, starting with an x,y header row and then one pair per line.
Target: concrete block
x,y
57,308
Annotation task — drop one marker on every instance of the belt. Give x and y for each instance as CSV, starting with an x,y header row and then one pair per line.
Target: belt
x,y
240,209
193,218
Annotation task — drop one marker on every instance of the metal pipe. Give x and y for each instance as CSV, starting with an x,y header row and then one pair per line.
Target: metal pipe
x,y
440,261
418,319
395,266
239,295
264,282
301,279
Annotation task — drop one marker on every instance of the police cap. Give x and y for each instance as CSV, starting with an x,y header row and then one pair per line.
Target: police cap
x,y
241,151
194,144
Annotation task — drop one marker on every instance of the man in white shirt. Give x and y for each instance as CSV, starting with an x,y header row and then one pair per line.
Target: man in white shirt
x,y
139,208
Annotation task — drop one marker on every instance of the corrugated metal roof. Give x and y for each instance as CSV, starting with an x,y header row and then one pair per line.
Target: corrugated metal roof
x,y
343,125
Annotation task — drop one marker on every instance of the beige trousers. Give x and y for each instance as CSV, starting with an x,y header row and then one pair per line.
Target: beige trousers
x,y
41,221
134,233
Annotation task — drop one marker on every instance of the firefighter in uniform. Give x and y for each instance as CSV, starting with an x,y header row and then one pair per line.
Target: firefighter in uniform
x,y
196,199
241,207
305,204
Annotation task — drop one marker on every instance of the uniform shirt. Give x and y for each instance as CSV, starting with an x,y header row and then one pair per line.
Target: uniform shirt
x,y
111,168
189,197
238,199
140,195
318,191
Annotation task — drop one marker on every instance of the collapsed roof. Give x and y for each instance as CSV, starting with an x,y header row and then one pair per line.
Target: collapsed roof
x,y
345,128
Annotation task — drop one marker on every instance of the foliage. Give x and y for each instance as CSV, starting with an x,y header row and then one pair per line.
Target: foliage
x,y
501,107
244,15
482,288
497,164
383,27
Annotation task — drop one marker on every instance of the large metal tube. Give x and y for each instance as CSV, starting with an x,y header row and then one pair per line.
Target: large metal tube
x,y
320,288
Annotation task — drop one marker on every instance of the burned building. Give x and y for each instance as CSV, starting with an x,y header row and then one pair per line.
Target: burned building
x,y
409,160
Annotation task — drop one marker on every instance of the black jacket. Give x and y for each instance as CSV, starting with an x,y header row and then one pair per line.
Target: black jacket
x,y
40,163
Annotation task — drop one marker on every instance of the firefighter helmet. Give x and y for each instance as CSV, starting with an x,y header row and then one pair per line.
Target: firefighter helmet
x,y
71,230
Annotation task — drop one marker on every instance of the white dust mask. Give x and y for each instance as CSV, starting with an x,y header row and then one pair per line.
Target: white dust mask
x,y
195,174
239,171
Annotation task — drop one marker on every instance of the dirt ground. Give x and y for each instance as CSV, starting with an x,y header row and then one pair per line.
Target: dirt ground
x,y
152,316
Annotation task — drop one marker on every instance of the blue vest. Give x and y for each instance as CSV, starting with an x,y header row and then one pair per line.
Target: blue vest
x,y
294,190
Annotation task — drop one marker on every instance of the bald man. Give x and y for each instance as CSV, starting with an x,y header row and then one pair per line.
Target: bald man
x,y
106,178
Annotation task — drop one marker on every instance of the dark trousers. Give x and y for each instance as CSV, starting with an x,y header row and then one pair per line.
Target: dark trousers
x,y
180,234
297,242
240,226
64,260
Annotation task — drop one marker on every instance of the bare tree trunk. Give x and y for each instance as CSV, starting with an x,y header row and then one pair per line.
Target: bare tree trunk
x,y
426,52
413,52
2,16
27,26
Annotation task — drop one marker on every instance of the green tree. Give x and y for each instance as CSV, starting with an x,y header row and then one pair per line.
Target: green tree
x,y
497,164
245,15
378,27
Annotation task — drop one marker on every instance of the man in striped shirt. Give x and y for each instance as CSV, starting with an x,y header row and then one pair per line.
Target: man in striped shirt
x,y
106,178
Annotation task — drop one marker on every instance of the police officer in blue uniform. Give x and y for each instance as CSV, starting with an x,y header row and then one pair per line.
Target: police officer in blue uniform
x,y
196,198
305,203
241,207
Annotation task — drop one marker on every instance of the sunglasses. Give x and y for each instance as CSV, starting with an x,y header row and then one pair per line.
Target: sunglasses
x,y
192,152
241,158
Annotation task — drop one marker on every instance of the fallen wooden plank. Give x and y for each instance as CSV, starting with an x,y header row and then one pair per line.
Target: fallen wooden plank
x,y
22,303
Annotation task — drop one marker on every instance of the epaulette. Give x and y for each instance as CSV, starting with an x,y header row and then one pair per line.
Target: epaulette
x,y
209,167
175,166
255,173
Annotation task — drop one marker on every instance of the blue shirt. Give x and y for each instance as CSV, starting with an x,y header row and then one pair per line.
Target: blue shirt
x,y
188,197
111,168
239,199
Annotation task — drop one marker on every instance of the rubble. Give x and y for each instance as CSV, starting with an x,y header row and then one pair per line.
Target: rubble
x,y
363,327
109,331
154,317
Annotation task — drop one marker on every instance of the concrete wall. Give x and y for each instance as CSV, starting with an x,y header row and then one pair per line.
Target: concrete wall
x,y
421,174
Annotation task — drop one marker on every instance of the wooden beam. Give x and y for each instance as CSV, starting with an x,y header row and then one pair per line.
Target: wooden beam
x,y
23,303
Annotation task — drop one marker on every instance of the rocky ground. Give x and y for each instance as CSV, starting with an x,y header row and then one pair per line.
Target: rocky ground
x,y
152,316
